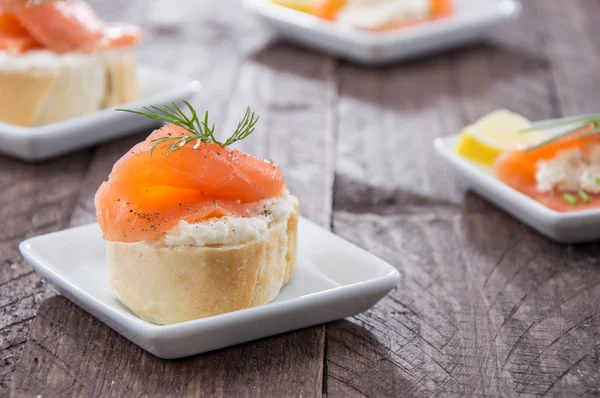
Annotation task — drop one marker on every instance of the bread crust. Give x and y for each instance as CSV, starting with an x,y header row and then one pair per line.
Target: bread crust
x,y
121,78
166,285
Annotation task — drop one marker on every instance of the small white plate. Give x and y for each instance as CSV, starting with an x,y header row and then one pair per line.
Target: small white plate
x,y
472,20
42,142
572,227
335,279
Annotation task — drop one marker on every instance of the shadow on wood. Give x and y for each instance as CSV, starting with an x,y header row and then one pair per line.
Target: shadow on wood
x,y
360,197
69,352
484,306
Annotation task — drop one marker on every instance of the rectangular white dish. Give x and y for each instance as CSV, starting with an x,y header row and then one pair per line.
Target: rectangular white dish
x,y
42,142
571,227
473,20
334,279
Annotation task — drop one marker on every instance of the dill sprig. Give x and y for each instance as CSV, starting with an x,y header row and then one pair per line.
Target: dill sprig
x,y
198,128
592,120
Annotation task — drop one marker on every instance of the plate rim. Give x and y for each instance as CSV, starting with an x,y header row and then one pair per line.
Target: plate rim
x,y
151,331
503,10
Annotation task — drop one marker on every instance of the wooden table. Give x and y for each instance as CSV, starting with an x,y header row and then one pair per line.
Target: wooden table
x,y
486,306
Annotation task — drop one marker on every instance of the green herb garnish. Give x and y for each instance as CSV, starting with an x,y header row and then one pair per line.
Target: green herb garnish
x,y
584,196
593,120
598,180
199,129
570,198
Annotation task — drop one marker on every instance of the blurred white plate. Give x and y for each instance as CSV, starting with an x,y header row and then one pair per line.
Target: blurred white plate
x,y
572,227
334,279
472,20
41,142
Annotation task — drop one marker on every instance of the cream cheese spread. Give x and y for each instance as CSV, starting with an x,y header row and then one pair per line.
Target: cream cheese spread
x,y
570,170
374,14
230,230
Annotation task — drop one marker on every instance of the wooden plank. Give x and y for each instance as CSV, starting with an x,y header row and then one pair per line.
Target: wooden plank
x,y
573,47
72,353
389,116
36,198
294,92
486,307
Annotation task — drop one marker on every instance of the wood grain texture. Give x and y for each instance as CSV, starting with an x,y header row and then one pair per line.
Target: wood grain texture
x,y
35,199
486,306
70,353
233,77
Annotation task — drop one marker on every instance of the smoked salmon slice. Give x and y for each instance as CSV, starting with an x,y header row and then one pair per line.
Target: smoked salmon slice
x,y
61,26
328,9
13,36
517,168
556,201
148,194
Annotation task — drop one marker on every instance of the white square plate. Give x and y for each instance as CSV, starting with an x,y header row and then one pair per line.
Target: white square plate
x,y
572,227
334,279
472,20
41,142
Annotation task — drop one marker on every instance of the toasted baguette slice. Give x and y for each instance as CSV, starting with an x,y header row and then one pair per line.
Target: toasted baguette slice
x,y
41,87
166,285
121,79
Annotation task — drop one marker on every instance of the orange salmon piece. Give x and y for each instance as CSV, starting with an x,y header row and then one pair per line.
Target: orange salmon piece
x,y
72,26
60,26
145,195
517,168
328,9
119,35
9,24
441,8
13,36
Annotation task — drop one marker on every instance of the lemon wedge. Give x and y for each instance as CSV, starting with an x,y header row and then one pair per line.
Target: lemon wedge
x,y
494,134
299,5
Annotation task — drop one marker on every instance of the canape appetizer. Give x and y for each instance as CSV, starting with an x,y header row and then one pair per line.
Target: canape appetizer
x,y
58,60
374,15
192,227
561,171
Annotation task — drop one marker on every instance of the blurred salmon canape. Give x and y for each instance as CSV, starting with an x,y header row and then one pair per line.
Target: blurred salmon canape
x,y
52,52
194,228
559,170
374,15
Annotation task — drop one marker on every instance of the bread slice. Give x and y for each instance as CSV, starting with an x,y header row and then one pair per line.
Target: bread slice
x,y
40,87
121,79
166,285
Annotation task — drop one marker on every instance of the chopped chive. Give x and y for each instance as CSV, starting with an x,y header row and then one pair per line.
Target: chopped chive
x,y
584,196
549,125
559,136
597,180
570,198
